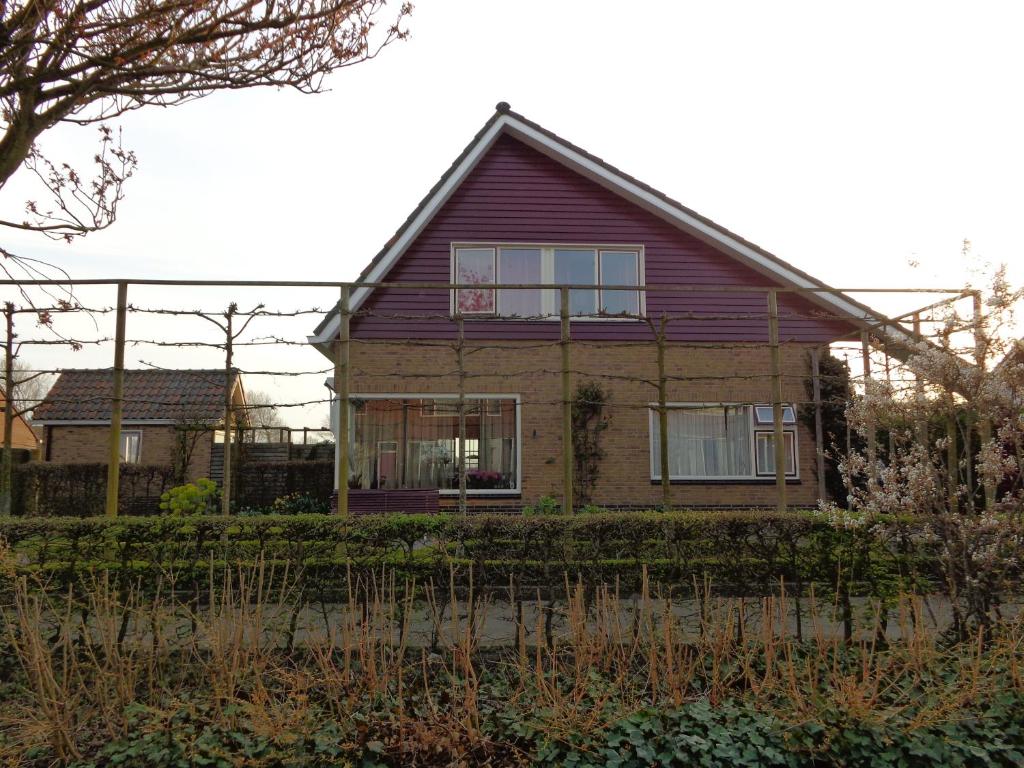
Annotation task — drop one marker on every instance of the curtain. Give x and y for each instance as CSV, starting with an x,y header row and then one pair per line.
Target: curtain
x,y
706,442
414,443
519,265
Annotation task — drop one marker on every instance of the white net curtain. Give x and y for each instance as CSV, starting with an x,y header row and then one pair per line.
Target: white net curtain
x,y
707,442
414,443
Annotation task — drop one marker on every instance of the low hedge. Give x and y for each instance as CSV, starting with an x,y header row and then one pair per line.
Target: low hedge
x,y
261,482
743,550
62,490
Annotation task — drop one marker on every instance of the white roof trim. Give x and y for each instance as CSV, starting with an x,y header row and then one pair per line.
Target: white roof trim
x,y
617,183
412,231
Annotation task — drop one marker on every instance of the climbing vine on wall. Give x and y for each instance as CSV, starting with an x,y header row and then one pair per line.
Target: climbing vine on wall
x,y
589,421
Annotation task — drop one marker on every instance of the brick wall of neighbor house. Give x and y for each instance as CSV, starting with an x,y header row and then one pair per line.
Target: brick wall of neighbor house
x,y
625,471
79,444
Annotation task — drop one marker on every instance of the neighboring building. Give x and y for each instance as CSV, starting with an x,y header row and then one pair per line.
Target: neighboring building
x,y
169,417
522,205
22,436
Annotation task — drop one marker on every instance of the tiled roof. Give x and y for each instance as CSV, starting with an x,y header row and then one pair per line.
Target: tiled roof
x,y
174,395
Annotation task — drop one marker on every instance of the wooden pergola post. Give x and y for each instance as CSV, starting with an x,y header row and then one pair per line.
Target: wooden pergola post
x,y
666,481
225,499
872,437
819,430
567,451
920,419
342,361
980,360
778,438
117,403
460,356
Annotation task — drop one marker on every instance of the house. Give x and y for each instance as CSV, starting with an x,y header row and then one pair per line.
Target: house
x,y
22,436
170,418
522,205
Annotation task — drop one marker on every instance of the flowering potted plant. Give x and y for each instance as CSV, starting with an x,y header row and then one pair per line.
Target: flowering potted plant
x,y
483,478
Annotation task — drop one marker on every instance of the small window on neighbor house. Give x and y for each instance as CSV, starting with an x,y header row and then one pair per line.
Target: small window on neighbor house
x,y
131,446
764,414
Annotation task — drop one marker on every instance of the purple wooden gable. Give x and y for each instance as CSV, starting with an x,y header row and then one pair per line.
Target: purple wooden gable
x,y
517,194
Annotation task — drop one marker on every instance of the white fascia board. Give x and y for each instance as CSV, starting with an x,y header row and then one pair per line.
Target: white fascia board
x,y
416,226
687,222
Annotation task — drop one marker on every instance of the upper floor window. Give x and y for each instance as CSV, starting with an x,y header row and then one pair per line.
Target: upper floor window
x,y
557,265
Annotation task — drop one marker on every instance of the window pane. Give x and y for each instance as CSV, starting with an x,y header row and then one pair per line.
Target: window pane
x,y
765,415
520,265
131,443
705,442
414,443
577,268
474,266
619,268
766,453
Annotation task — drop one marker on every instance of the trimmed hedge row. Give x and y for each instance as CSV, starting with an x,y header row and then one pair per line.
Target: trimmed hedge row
x,y
744,550
60,490
261,482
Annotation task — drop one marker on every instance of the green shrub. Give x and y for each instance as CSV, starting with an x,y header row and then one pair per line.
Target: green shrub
x,y
547,505
199,498
299,504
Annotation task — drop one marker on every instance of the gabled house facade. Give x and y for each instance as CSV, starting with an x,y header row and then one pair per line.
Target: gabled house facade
x,y
524,206
170,418
22,436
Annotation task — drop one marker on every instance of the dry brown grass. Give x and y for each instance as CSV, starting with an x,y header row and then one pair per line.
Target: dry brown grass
x,y
84,658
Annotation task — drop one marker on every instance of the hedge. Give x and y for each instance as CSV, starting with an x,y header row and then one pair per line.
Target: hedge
x,y
50,489
261,482
743,550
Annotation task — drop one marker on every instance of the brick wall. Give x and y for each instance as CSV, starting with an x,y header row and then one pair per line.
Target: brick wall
x,y
532,370
82,444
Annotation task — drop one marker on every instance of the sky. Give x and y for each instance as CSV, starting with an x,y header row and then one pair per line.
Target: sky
x,y
852,140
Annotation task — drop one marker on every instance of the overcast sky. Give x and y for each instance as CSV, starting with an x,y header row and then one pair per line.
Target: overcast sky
x,y
850,140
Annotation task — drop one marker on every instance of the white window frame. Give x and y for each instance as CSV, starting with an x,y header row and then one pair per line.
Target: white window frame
x,y
653,430
549,312
788,415
517,490
123,448
768,433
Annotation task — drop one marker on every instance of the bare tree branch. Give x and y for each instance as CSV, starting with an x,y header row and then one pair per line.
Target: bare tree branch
x,y
88,61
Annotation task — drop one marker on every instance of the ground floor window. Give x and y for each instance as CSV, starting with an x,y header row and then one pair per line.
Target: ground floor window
x,y
722,441
401,442
131,446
